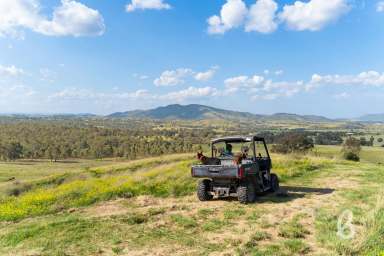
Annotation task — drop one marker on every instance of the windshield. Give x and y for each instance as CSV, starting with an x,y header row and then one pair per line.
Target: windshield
x,y
231,149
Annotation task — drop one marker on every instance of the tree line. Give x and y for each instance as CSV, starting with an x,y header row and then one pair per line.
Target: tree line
x,y
58,141
131,139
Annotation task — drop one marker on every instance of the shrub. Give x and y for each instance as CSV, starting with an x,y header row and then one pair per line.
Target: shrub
x,y
380,140
351,149
351,156
18,189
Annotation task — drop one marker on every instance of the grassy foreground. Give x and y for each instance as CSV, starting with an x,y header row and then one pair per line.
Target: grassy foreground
x,y
148,206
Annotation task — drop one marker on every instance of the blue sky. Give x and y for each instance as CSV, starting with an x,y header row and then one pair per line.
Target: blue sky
x,y
265,56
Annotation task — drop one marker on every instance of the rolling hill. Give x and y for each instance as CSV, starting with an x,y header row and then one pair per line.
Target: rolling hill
x,y
199,112
372,118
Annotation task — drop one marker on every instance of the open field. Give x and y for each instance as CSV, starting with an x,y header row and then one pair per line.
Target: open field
x,y
367,155
148,207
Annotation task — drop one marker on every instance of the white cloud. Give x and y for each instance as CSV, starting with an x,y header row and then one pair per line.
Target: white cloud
x,y
10,71
283,88
147,4
190,92
178,76
75,94
260,88
313,15
71,18
232,15
380,6
207,75
86,94
262,17
243,82
139,94
173,77
367,78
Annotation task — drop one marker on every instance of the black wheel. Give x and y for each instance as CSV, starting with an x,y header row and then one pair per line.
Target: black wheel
x,y
203,189
274,183
246,193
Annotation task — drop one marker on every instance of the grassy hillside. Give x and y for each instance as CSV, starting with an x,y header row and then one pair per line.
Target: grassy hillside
x,y
148,206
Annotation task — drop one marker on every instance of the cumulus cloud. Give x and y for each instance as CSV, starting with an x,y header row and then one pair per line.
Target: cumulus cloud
x,y
178,76
380,6
71,18
10,71
76,94
207,75
313,15
261,88
274,90
366,78
284,88
173,77
147,4
232,15
233,84
262,17
190,92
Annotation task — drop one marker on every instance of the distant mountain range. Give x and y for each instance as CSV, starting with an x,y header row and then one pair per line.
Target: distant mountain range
x,y
200,112
372,118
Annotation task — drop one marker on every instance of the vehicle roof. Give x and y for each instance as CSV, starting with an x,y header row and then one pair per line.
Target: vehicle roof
x,y
237,139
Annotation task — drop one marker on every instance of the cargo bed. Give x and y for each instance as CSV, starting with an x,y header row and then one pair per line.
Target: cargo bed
x,y
215,171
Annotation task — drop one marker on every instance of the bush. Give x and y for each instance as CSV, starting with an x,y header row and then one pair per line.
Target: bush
x,y
293,142
351,156
351,149
380,140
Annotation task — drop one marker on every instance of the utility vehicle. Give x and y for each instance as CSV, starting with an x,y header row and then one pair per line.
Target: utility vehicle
x,y
239,166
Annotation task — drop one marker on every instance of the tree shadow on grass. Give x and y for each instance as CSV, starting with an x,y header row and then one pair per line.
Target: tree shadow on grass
x,y
289,193
308,190
286,194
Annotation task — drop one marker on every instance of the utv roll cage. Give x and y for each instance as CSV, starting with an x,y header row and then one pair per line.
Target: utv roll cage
x,y
241,139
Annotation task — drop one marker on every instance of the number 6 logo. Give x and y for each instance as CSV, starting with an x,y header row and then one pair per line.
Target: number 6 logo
x,y
345,228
